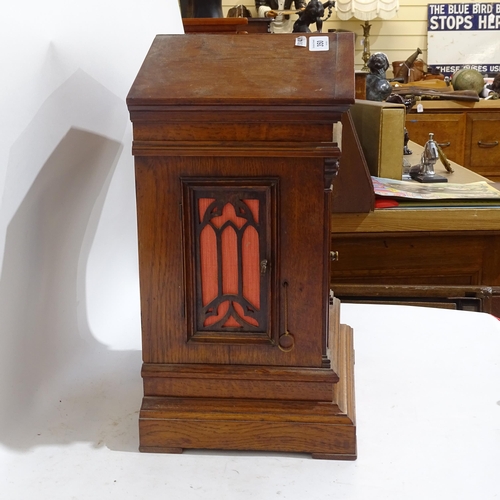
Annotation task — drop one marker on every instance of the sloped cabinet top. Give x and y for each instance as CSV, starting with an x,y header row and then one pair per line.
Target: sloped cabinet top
x,y
251,71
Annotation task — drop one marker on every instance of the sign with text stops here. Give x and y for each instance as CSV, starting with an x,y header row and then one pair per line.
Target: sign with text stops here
x,y
464,35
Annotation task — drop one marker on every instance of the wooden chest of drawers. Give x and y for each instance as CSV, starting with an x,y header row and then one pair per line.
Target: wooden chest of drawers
x,y
469,133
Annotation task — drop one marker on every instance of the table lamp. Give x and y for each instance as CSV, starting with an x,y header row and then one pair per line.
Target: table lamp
x,y
366,10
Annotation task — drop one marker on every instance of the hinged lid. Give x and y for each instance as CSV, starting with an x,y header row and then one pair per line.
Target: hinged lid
x,y
248,71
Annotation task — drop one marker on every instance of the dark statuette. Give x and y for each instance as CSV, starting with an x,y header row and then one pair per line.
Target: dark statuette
x,y
313,13
377,86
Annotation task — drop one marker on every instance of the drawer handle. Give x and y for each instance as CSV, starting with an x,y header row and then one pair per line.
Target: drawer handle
x,y
482,144
444,144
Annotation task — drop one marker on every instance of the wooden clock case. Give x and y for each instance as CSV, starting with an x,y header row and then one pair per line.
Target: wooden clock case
x,y
234,162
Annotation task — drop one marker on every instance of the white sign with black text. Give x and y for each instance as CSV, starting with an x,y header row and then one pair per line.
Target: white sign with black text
x,y
464,35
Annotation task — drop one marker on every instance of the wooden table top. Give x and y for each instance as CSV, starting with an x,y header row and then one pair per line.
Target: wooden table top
x,y
440,219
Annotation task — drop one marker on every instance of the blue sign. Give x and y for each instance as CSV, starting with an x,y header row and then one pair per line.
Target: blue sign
x,y
463,17
463,35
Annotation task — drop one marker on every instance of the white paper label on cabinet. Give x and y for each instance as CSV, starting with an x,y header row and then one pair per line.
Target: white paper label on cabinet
x,y
301,41
317,43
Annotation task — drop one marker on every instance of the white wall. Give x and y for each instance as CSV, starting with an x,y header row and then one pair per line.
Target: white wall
x,y
67,217
398,37
69,300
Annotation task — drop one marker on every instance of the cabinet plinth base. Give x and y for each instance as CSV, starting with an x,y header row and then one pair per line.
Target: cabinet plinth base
x,y
327,430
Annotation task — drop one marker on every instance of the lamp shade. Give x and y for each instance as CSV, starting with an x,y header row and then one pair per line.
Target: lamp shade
x,y
366,10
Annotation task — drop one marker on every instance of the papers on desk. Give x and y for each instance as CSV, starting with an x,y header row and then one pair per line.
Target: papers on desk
x,y
447,194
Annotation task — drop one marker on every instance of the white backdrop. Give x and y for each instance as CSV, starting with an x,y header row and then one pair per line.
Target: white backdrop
x,y
67,219
69,299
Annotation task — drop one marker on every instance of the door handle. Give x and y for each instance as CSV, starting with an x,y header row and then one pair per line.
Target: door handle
x,y
482,144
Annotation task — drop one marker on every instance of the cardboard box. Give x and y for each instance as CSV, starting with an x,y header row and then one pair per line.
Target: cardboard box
x,y
380,129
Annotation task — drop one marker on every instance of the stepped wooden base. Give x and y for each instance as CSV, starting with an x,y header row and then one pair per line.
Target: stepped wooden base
x,y
325,429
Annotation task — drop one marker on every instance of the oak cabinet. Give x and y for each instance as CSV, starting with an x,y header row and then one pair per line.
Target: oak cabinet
x,y
242,343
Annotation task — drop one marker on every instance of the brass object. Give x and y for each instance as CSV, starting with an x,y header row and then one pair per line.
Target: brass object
x,y
286,341
263,266
444,160
482,144
366,45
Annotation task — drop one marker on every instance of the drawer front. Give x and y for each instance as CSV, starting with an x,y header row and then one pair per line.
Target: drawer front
x,y
448,130
419,259
483,144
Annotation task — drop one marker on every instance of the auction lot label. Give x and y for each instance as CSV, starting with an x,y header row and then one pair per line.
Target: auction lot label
x,y
463,35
